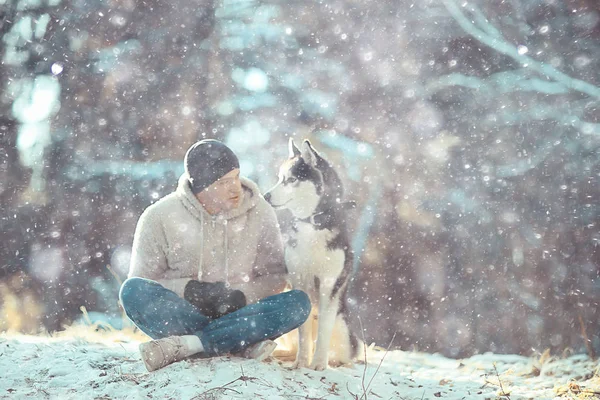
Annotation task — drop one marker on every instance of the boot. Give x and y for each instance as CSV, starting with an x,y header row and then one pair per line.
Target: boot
x,y
159,353
260,351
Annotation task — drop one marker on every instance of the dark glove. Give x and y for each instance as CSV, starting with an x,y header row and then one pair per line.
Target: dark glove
x,y
213,299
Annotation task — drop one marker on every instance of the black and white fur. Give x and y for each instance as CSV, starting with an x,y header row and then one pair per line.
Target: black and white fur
x,y
317,253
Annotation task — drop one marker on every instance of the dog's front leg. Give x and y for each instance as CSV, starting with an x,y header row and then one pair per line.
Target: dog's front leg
x,y
305,331
328,309
304,345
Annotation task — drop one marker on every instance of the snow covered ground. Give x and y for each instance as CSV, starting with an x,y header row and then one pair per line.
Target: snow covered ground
x,y
80,364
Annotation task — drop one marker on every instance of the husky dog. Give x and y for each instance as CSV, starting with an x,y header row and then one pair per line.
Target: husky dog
x,y
317,253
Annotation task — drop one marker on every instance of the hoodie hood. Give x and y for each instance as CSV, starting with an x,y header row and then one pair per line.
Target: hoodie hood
x,y
184,193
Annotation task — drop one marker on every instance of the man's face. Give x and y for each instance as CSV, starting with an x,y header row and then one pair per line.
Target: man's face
x,y
223,195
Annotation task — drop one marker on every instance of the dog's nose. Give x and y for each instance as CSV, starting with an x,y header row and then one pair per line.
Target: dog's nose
x,y
268,197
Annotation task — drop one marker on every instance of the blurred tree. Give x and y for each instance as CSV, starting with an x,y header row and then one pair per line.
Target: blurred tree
x,y
467,133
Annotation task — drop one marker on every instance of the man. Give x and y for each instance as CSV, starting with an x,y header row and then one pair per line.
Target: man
x,y
200,255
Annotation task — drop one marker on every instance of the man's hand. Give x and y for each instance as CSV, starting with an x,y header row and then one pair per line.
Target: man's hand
x,y
213,299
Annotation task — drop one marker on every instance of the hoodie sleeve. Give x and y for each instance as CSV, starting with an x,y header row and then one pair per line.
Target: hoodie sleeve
x,y
269,257
148,259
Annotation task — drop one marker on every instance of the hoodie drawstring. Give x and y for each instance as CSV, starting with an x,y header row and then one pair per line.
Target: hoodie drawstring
x,y
226,254
201,247
226,246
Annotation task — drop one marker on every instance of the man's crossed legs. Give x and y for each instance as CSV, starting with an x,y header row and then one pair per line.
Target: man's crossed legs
x,y
162,314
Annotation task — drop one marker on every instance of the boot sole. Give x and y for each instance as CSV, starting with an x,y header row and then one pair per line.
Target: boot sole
x,y
262,351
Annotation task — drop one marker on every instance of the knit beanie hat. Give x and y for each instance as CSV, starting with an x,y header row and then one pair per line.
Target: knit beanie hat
x,y
207,161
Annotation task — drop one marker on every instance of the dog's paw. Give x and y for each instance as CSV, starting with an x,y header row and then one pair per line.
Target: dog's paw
x,y
319,365
349,364
300,363
341,363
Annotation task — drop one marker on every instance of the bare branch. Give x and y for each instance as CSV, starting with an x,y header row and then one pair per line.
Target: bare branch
x,y
522,166
485,24
542,113
502,82
489,37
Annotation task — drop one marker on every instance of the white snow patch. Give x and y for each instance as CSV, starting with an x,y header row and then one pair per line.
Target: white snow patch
x,y
81,364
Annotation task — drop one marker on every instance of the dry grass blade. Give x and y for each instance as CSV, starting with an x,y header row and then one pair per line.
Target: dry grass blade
x,y
224,387
366,389
587,341
362,330
503,392
381,361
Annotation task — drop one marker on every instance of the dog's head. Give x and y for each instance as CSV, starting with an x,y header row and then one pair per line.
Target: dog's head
x,y
306,180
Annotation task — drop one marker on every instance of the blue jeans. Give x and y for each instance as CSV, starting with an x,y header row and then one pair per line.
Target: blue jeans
x,y
159,313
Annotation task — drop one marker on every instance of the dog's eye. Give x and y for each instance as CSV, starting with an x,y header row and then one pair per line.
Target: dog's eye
x,y
291,179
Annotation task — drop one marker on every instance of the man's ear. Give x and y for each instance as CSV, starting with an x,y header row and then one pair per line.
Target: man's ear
x,y
293,150
309,153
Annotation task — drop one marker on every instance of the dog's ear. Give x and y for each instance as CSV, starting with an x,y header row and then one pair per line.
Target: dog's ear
x,y
309,154
293,150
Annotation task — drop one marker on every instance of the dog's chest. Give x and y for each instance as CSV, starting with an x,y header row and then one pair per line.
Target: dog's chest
x,y
309,251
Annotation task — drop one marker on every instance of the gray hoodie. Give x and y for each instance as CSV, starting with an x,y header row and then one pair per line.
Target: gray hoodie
x,y
176,240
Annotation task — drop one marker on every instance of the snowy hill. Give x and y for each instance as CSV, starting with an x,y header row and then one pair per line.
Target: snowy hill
x,y
79,364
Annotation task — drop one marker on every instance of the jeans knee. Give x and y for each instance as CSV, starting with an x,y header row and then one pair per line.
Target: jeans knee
x,y
131,292
303,306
